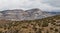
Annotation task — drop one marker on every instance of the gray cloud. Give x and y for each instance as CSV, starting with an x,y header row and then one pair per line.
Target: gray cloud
x,y
54,3
27,4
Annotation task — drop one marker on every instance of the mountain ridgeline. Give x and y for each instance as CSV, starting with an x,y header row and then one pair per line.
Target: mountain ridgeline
x,y
19,14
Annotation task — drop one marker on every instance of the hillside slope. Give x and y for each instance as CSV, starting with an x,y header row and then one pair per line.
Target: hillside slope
x,y
19,14
45,25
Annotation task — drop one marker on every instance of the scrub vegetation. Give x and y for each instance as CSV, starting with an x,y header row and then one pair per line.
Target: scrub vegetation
x,y
44,25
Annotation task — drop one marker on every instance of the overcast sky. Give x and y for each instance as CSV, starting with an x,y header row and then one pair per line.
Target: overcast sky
x,y
28,4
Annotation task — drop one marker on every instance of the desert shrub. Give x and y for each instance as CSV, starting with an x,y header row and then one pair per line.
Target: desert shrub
x,y
35,28
39,31
39,24
47,31
1,32
0,26
24,26
16,31
53,23
56,30
51,28
45,24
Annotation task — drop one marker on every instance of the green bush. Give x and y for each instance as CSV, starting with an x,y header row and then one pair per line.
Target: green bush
x,y
45,24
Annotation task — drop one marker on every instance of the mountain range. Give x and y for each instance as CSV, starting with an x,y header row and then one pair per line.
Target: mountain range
x,y
19,14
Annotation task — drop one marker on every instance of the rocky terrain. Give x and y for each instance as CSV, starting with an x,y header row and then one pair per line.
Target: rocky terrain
x,y
44,25
19,14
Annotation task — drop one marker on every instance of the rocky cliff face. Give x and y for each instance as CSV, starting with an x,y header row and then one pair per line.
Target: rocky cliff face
x,y
18,14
